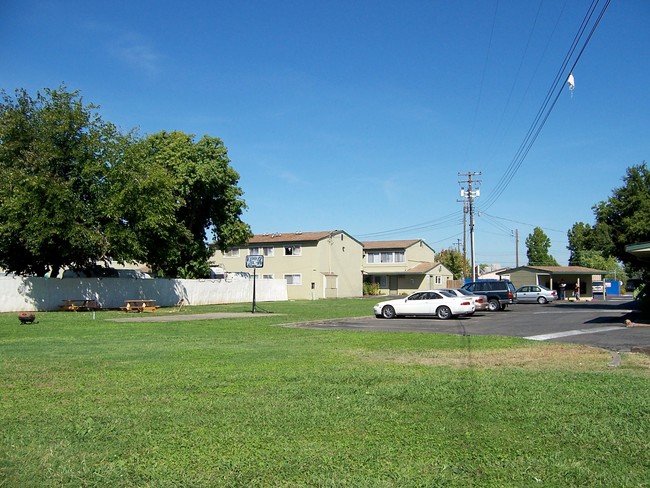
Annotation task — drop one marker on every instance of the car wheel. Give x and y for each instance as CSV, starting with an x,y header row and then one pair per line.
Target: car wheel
x,y
443,312
493,305
388,312
542,300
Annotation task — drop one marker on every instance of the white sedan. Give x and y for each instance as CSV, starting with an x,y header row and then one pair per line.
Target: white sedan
x,y
427,303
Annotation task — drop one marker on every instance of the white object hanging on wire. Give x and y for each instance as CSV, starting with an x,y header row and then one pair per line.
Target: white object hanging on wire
x,y
572,83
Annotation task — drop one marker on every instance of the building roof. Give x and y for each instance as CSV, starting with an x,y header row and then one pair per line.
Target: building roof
x,y
371,245
422,268
639,249
288,237
418,269
557,270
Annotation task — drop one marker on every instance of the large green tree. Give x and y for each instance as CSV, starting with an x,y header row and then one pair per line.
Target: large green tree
x,y
583,239
626,213
538,244
55,157
75,191
204,198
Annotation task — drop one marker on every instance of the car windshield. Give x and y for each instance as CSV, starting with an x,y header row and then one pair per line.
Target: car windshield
x,y
446,293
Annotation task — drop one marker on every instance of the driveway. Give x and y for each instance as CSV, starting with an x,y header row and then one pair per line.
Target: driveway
x,y
599,324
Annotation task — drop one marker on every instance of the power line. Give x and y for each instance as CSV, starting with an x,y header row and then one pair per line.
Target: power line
x,y
446,220
482,214
547,105
526,145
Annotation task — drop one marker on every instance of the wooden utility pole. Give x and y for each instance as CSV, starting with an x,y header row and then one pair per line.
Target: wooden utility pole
x,y
516,248
470,194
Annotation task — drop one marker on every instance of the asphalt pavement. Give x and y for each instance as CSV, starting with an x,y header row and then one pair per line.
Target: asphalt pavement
x,y
594,323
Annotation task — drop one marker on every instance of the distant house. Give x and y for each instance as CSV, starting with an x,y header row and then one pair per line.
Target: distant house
x,y
552,276
315,265
403,266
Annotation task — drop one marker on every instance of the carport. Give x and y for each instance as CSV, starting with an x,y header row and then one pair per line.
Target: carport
x,y
552,277
640,250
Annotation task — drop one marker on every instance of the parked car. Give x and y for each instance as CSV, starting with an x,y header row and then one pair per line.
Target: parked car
x,y
500,293
535,293
480,301
425,303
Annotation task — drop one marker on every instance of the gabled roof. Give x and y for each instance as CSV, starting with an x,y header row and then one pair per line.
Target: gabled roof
x,y
295,237
557,270
403,244
422,268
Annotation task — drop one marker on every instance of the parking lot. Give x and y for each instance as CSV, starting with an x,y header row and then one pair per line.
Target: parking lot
x,y
600,324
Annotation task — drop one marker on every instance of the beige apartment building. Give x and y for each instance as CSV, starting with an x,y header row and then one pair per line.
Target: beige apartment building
x,y
403,266
333,264
315,265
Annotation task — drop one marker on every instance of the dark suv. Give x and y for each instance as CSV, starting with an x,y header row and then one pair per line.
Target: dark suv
x,y
500,293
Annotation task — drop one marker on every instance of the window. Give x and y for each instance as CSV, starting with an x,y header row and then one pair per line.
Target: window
x,y
385,257
292,250
267,276
232,253
293,279
438,280
261,251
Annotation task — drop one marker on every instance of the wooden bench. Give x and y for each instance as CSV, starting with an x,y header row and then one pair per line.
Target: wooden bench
x,y
83,304
139,305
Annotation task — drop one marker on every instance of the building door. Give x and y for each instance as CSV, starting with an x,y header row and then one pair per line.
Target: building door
x,y
392,285
331,287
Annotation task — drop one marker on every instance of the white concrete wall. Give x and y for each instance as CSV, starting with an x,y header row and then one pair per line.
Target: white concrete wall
x,y
40,294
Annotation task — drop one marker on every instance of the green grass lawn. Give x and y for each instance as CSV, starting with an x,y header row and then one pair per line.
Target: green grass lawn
x,y
245,402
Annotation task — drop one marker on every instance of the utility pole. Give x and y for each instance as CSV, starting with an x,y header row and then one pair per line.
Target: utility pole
x,y
465,211
516,248
470,194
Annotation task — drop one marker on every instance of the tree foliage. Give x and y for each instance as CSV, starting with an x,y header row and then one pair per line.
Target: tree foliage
x,y
585,240
626,213
55,156
453,260
538,244
202,196
75,191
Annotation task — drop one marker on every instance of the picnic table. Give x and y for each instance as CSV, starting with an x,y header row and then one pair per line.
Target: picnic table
x,y
139,305
79,304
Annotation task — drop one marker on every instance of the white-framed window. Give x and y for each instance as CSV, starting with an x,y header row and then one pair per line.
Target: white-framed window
x,y
232,253
293,279
266,251
292,250
385,257
438,280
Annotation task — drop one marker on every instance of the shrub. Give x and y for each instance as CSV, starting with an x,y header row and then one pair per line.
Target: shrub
x,y
371,289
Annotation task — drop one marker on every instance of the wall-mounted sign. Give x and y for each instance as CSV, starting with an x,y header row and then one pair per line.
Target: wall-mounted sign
x,y
255,261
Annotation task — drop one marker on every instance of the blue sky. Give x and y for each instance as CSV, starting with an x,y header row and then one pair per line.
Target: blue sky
x,y
360,115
